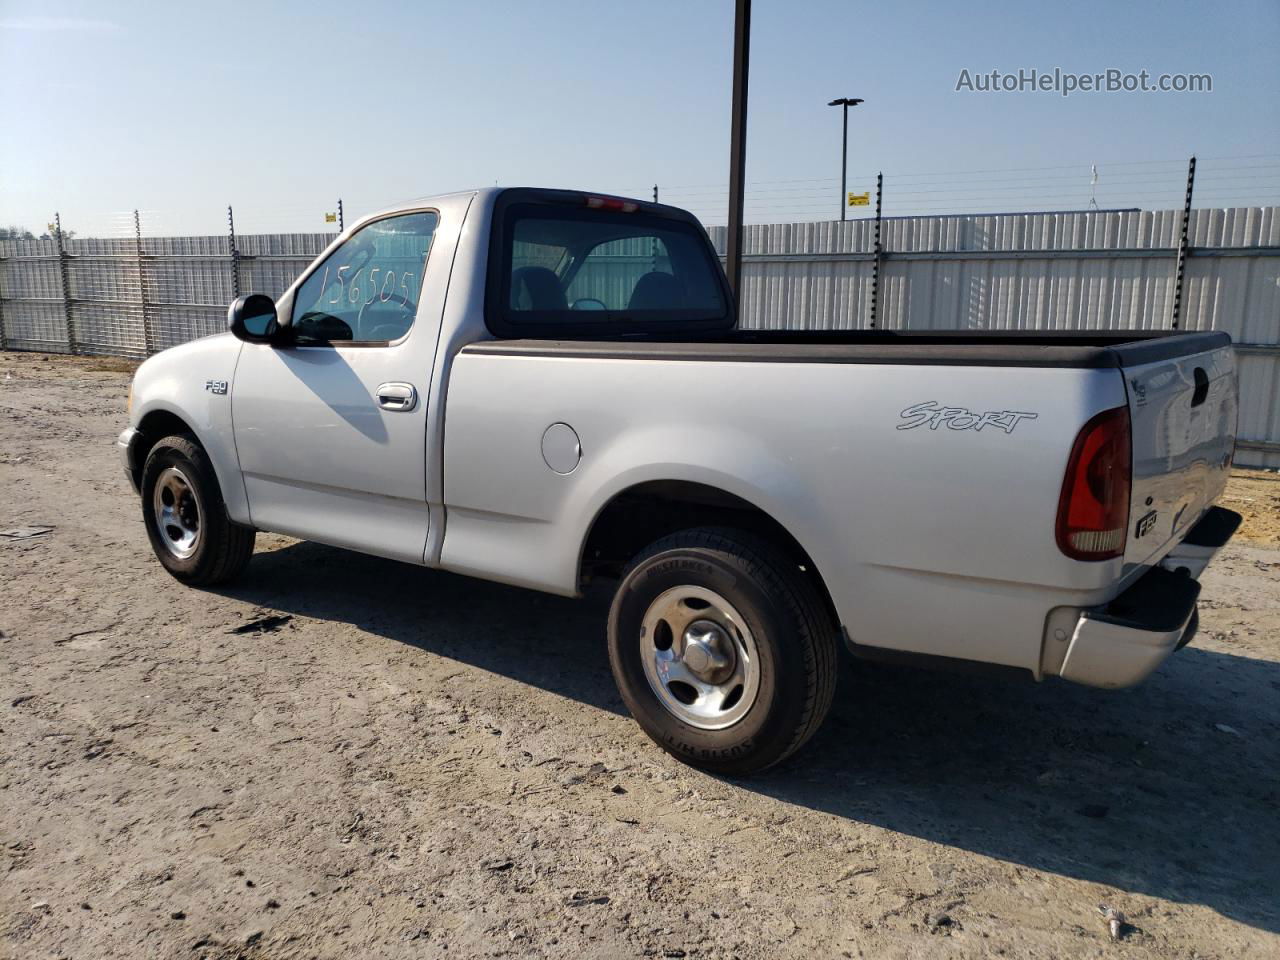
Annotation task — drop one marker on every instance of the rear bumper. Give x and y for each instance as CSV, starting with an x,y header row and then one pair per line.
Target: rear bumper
x,y
1120,643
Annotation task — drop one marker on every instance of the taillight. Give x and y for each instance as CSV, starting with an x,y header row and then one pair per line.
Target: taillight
x,y
1093,511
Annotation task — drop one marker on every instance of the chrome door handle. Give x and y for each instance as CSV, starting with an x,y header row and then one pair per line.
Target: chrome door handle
x,y
397,397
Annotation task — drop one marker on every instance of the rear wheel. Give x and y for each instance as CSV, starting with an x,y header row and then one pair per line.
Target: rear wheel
x,y
722,650
186,518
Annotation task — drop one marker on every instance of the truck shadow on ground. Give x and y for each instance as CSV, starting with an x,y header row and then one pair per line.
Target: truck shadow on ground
x,y
1141,790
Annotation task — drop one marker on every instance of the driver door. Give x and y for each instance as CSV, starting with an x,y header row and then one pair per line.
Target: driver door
x,y
330,427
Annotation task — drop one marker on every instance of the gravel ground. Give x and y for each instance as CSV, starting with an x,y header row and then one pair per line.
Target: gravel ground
x,y
345,757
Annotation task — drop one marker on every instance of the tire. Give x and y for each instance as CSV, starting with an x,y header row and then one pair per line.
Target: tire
x,y
186,519
741,719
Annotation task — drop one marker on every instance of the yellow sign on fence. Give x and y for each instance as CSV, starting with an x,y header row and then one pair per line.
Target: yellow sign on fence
x,y
330,218
859,199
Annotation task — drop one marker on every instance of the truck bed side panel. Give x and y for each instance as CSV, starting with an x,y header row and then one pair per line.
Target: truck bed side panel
x,y
932,527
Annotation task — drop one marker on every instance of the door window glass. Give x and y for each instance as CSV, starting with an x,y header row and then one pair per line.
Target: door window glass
x,y
367,290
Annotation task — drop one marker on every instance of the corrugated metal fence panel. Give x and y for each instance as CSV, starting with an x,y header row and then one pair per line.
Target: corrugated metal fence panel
x,y
104,280
188,284
31,296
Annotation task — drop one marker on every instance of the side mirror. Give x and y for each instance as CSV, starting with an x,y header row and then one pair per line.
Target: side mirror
x,y
252,318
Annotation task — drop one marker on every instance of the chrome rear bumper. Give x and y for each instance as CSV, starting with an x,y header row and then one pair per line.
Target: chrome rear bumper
x,y
1122,642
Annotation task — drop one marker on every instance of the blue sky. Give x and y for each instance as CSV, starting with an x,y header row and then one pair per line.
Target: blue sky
x,y
280,108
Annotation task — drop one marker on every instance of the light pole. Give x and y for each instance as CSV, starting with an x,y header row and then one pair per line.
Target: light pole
x,y
845,102
737,148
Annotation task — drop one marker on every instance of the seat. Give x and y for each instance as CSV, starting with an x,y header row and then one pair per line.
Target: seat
x,y
536,288
656,291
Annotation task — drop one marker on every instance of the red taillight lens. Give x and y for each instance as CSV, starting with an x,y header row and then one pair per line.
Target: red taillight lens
x,y
1093,511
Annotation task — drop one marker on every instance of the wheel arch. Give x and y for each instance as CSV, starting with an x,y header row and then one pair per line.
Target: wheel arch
x,y
649,510
161,419
162,422
154,425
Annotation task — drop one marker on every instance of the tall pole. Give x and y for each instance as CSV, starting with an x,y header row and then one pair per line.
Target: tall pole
x,y
844,164
844,103
738,148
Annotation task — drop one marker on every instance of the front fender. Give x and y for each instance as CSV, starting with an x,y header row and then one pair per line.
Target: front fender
x,y
192,382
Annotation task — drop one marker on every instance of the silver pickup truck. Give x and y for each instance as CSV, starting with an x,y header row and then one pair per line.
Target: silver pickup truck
x,y
547,388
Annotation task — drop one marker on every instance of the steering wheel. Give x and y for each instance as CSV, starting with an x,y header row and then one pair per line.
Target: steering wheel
x,y
397,329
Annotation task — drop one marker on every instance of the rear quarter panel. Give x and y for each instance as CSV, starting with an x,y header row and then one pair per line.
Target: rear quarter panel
x,y
936,537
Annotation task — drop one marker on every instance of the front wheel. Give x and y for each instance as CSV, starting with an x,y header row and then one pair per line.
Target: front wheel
x,y
186,518
722,650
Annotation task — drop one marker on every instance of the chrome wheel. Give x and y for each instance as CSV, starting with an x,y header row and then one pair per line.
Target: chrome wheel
x,y
176,513
700,657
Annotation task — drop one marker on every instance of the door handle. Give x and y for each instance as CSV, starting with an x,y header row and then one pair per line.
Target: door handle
x,y
397,397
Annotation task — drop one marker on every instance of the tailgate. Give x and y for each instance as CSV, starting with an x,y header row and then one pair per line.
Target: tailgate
x,y
1183,412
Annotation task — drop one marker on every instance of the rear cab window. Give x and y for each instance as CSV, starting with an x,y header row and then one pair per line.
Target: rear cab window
x,y
578,266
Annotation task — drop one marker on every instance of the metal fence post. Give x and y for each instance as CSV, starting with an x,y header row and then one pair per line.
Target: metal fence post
x,y
235,253
1183,246
875,264
653,244
64,275
4,343
148,338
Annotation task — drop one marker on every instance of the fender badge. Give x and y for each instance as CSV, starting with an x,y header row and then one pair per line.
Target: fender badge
x,y
216,386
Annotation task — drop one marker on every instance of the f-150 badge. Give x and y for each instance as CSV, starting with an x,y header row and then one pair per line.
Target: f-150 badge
x,y
958,418
1145,524
216,386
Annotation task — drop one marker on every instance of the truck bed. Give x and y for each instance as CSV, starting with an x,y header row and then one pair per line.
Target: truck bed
x,y
1089,350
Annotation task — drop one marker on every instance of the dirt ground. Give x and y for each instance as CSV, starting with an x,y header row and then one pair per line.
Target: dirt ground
x,y
345,757
1255,495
